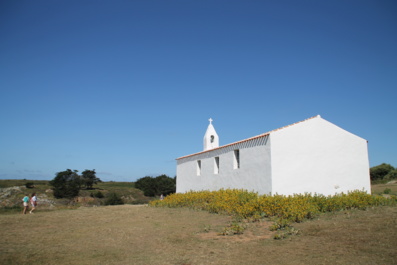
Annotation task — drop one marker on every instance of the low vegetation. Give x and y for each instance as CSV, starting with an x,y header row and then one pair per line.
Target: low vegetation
x,y
104,193
283,210
385,189
113,199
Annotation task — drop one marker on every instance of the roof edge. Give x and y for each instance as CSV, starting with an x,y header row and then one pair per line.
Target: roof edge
x,y
248,139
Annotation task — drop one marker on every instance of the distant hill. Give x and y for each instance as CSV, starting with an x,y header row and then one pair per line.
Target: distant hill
x,y
12,192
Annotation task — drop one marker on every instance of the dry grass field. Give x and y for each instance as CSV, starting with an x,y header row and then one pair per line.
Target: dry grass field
x,y
390,187
129,234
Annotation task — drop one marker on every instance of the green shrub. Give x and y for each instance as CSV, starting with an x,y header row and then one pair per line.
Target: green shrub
x,y
29,185
98,195
285,232
387,191
380,171
235,228
113,199
391,175
156,186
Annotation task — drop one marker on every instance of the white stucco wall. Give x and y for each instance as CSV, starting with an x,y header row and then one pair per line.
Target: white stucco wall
x,y
254,173
317,156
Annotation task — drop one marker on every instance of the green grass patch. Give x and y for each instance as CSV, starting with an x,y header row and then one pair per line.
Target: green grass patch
x,y
114,185
7,183
11,209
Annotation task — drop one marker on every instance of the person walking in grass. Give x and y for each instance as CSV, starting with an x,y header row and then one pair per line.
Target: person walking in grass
x,y
25,203
33,202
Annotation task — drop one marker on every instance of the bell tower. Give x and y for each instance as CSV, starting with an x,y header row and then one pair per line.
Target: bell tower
x,y
211,138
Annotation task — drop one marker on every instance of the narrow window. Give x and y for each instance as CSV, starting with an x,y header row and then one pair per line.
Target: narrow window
x,y
198,167
216,165
236,161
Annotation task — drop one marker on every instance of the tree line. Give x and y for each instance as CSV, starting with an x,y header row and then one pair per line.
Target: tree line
x,y
383,172
68,183
156,186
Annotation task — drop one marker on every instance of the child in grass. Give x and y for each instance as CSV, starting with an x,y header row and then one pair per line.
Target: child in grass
x,y
25,203
33,202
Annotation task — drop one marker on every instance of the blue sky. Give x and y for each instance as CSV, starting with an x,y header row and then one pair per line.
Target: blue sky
x,y
125,87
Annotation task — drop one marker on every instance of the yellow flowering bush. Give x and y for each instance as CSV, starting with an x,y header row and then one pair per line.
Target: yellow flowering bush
x,y
283,209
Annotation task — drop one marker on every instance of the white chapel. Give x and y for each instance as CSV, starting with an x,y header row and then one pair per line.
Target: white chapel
x,y
311,156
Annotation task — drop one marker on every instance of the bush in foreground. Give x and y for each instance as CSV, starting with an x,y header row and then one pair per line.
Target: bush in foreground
x,y
282,209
